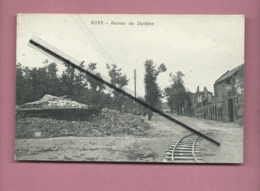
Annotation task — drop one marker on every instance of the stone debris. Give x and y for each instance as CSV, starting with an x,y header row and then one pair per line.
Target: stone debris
x,y
49,101
108,123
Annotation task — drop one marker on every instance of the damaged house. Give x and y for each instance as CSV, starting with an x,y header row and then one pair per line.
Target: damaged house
x,y
55,107
228,102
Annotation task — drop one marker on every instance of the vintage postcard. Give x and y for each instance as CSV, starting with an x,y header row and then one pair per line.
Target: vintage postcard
x,y
130,88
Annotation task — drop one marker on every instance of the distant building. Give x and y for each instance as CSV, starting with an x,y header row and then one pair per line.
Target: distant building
x,y
165,107
199,100
228,102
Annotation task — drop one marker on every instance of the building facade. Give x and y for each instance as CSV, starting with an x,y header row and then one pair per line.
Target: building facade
x,y
199,100
227,104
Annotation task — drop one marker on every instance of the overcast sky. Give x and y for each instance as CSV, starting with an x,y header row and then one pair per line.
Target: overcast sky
x,y
202,47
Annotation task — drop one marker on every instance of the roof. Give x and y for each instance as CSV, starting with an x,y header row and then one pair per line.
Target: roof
x,y
53,102
230,73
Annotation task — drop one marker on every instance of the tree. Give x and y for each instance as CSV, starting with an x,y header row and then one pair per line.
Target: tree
x,y
68,81
140,109
39,81
94,84
176,93
119,80
73,82
93,94
52,80
33,83
152,89
23,84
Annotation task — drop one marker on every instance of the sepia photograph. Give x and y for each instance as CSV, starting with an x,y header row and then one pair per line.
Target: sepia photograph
x,y
130,88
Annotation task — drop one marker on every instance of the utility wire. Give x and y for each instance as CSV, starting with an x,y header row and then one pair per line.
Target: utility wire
x,y
88,32
95,39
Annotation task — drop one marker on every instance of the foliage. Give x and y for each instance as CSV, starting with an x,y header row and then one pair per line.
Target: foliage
x,y
152,90
34,83
140,109
119,80
94,84
23,84
176,93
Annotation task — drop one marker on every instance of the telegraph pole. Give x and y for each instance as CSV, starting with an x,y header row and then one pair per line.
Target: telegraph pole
x,y
135,81
135,87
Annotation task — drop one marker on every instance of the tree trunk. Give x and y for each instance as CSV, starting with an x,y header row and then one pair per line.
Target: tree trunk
x,y
150,114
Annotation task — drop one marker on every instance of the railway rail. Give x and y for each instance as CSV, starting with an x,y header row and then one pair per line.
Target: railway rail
x,y
185,150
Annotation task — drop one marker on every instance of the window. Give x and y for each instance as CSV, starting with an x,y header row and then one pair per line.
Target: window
x,y
228,81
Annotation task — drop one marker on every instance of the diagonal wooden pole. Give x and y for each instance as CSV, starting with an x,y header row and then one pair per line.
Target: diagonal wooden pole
x,y
58,55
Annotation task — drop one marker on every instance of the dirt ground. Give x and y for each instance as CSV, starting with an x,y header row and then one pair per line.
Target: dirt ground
x,y
150,148
229,135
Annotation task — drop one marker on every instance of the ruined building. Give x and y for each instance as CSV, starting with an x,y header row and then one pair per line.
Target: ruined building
x,y
199,100
227,104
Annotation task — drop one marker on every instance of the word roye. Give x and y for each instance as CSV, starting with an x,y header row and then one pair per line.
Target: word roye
x,y
100,22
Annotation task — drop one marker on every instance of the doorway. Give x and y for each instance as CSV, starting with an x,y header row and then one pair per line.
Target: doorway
x,y
230,110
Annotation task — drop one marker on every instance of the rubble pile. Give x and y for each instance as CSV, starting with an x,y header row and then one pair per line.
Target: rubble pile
x,y
49,101
115,122
107,123
57,108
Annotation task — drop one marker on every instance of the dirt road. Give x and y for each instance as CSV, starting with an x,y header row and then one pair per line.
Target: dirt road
x,y
150,148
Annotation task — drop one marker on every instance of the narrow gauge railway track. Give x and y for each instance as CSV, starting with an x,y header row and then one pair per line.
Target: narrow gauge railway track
x,y
185,150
